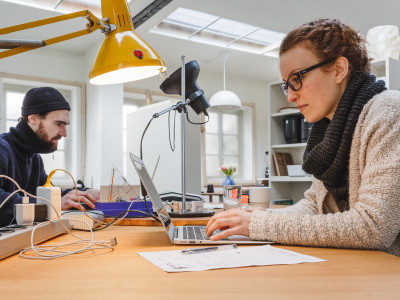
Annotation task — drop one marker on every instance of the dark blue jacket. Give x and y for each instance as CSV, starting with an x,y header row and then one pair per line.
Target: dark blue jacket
x,y
20,161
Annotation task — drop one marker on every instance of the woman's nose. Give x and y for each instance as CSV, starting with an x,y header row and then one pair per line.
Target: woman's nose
x,y
292,95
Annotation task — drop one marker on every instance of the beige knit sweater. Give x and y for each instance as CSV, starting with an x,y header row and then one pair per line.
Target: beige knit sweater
x,y
373,220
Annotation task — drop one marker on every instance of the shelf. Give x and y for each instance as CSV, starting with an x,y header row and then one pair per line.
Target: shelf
x,y
297,145
282,114
290,179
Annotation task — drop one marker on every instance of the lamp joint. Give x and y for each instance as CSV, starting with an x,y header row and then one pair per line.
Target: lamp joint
x,y
109,28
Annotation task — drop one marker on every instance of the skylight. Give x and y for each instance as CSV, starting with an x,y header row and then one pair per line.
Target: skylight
x,y
63,6
213,30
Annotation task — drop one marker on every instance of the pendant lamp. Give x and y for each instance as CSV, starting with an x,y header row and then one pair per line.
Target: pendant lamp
x,y
225,100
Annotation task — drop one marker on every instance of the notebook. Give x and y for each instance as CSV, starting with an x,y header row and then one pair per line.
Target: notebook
x,y
180,234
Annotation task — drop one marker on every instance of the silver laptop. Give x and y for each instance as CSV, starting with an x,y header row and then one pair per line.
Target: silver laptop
x,y
180,234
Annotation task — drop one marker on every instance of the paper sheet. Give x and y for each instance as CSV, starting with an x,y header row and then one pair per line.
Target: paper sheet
x,y
174,261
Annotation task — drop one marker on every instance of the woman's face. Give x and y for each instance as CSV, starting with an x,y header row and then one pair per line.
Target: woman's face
x,y
320,92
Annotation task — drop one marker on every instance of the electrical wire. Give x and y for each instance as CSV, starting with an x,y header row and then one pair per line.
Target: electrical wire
x,y
169,131
187,117
40,249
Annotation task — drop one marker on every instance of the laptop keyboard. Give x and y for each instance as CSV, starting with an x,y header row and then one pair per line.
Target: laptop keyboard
x,y
197,233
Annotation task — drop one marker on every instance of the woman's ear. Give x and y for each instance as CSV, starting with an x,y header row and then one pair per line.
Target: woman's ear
x,y
342,69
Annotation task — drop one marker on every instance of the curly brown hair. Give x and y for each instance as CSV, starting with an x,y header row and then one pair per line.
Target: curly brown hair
x,y
330,38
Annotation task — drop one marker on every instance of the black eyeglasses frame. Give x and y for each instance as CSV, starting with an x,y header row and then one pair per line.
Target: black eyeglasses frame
x,y
285,85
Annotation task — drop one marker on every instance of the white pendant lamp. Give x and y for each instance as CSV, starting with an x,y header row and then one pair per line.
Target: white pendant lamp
x,y
225,100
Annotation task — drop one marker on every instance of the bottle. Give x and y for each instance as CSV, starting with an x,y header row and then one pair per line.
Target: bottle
x,y
266,160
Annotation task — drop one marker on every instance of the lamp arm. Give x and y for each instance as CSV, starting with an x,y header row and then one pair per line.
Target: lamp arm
x,y
179,107
93,24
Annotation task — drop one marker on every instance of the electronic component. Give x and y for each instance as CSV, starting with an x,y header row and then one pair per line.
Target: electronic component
x,y
77,217
53,195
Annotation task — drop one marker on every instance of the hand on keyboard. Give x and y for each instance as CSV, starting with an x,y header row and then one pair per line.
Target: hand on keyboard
x,y
237,220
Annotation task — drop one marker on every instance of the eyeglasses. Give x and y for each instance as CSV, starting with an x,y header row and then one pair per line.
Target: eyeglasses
x,y
294,80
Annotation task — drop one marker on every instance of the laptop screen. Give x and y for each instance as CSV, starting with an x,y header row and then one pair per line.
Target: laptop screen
x,y
154,196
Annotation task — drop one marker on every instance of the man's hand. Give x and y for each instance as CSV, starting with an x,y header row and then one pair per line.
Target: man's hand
x,y
237,220
95,193
71,200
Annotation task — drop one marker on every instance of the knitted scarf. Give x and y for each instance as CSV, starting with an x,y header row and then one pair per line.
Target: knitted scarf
x,y
328,148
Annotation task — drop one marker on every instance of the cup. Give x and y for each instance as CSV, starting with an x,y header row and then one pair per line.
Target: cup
x,y
260,194
232,196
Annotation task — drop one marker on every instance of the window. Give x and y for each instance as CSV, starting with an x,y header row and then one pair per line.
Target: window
x,y
229,139
68,155
222,142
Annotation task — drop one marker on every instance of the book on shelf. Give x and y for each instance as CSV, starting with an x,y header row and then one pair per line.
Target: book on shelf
x,y
281,161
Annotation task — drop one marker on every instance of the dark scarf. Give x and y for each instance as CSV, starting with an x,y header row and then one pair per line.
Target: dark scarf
x,y
328,148
26,141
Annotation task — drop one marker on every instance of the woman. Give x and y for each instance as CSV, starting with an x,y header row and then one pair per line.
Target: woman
x,y
353,151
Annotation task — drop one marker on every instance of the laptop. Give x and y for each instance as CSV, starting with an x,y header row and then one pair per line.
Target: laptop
x,y
188,234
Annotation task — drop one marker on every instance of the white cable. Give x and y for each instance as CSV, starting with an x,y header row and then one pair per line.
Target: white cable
x,y
43,248
18,190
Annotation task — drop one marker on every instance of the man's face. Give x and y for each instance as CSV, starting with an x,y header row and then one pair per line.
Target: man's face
x,y
52,128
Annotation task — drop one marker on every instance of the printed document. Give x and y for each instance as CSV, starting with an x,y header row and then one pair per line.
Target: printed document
x,y
175,261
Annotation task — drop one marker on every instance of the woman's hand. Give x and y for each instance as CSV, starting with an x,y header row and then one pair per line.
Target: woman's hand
x,y
233,221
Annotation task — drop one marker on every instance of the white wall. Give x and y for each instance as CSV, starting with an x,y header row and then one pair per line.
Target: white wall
x,y
46,63
103,129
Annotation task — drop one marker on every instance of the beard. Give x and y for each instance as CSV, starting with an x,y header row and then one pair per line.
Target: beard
x,y
44,137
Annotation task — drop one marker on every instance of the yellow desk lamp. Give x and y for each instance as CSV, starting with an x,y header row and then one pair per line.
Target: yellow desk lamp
x,y
122,57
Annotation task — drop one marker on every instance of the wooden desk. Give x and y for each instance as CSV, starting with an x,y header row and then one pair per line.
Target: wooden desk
x,y
123,274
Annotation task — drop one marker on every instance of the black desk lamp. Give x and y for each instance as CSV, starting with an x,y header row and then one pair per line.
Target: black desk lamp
x,y
184,82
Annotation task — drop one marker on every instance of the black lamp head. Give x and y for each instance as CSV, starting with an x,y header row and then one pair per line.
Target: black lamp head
x,y
172,85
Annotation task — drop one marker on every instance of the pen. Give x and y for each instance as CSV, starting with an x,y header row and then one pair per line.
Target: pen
x,y
208,249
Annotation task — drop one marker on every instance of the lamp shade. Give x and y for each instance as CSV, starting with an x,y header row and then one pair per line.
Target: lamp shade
x,y
225,100
123,56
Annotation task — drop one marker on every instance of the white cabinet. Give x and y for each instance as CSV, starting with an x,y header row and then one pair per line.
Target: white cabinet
x,y
285,187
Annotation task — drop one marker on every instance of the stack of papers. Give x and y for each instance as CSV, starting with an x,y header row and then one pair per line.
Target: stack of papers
x,y
175,261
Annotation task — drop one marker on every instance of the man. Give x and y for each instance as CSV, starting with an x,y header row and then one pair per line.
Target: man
x,y
44,121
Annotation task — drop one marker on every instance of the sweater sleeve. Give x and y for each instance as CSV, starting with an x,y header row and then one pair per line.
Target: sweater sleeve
x,y
373,220
308,205
7,208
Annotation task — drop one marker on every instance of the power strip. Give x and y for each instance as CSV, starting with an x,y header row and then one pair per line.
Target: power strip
x,y
20,238
73,215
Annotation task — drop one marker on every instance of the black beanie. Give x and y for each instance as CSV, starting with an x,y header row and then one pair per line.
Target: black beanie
x,y
42,100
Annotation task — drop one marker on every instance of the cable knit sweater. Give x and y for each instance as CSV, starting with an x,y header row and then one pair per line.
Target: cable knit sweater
x,y
373,220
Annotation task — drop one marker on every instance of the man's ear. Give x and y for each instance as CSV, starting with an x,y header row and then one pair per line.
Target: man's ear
x,y
342,69
33,119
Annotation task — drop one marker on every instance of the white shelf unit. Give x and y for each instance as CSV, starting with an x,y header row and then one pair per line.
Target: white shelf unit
x,y
388,70
285,187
